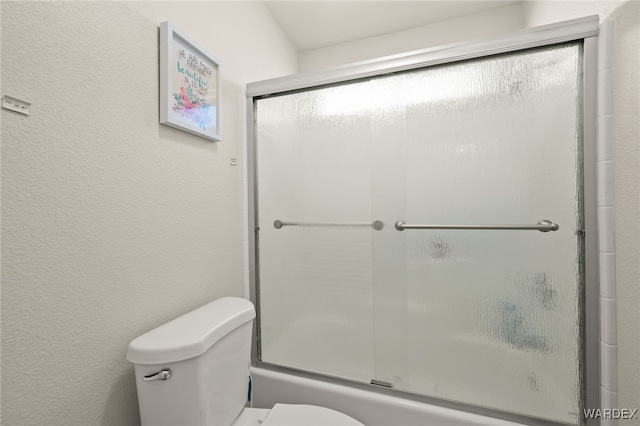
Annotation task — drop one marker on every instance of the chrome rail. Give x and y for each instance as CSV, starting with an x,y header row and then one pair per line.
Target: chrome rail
x,y
377,225
542,226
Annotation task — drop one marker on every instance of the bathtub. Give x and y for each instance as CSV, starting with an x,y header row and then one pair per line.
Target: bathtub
x,y
368,407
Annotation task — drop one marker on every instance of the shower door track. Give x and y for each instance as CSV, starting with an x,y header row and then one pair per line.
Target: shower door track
x,y
585,29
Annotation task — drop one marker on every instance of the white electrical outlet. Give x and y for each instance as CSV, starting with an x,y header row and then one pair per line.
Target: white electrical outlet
x,y
15,105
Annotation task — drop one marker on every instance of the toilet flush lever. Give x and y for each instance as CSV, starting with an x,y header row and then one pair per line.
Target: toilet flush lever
x,y
163,374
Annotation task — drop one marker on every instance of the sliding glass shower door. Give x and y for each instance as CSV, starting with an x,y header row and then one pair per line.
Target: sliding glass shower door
x,y
423,231
313,166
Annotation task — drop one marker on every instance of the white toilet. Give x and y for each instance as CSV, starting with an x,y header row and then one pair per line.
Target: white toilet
x,y
194,370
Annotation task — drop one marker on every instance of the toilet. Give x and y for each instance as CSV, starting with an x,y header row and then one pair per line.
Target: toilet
x,y
194,370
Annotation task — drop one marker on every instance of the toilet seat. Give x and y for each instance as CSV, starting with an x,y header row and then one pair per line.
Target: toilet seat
x,y
307,415
251,417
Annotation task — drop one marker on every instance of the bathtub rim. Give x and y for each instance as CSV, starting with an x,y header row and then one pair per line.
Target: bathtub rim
x,y
389,398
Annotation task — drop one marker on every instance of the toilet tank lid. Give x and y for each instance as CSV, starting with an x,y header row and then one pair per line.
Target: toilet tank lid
x,y
192,334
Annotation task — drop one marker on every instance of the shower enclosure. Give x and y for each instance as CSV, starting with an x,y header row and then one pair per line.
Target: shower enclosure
x,y
427,225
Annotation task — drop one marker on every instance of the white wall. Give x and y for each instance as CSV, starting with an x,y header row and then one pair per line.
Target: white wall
x,y
626,159
465,28
113,224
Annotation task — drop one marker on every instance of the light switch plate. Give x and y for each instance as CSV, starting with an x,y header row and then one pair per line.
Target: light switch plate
x,y
15,105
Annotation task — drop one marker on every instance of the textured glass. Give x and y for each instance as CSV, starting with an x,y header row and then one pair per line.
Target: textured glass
x,y
316,294
484,317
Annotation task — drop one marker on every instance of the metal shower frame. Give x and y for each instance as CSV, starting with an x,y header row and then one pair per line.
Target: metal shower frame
x,y
585,29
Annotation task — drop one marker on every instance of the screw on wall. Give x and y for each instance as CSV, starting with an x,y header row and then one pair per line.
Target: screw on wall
x,y
16,105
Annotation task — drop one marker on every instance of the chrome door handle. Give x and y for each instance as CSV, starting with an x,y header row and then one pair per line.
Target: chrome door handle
x,y
163,374
377,225
542,226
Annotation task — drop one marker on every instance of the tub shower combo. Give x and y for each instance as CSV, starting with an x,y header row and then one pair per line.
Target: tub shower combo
x,y
423,225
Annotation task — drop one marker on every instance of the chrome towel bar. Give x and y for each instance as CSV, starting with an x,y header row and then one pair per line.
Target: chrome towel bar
x,y
542,226
377,225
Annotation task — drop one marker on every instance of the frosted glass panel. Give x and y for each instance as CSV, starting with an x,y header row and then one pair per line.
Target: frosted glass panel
x,y
316,294
484,317
492,317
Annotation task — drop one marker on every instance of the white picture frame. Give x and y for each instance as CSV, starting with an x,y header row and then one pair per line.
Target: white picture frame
x,y
190,85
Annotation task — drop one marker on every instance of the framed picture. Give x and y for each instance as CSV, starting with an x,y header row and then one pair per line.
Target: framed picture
x,y
189,85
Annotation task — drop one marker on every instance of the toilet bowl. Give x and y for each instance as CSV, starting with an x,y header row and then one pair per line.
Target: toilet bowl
x,y
194,370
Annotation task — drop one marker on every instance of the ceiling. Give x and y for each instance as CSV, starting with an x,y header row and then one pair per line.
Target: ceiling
x,y
311,24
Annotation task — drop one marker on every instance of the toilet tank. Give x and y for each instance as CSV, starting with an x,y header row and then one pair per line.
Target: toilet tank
x,y
207,352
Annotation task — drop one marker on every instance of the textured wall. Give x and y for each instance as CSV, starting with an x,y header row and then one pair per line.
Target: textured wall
x,y
111,223
491,22
626,110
